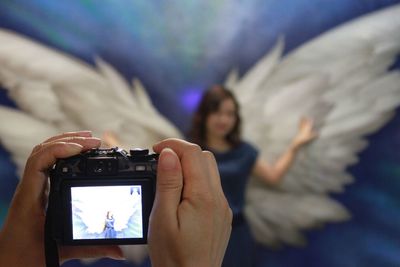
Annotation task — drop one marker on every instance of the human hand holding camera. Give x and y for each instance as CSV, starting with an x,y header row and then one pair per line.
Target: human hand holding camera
x,y
22,237
191,220
176,235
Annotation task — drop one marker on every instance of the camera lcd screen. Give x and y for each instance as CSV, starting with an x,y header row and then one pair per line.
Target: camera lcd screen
x,y
106,212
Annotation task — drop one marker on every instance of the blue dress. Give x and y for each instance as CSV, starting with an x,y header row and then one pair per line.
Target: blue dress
x,y
109,231
235,168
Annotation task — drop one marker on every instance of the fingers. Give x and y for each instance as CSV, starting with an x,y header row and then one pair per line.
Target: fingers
x,y
82,252
202,217
308,125
215,179
85,142
47,154
70,134
169,186
64,135
306,122
34,182
195,171
178,145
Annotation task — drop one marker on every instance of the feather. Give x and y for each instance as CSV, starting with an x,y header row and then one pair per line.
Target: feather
x,y
232,79
21,133
78,96
342,80
253,79
57,93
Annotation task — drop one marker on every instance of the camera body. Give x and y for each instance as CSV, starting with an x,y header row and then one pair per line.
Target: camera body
x,y
102,196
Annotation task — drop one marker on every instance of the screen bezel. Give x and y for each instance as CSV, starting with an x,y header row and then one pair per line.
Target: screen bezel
x,y
147,203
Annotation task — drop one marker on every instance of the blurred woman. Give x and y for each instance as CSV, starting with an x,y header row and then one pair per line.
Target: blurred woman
x,y
216,127
109,231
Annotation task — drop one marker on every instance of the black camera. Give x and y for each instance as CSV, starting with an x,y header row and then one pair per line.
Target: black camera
x,y
102,196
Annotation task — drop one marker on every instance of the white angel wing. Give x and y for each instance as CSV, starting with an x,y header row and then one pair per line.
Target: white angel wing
x,y
57,93
341,80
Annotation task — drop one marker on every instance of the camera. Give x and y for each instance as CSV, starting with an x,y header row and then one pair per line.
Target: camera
x,y
102,196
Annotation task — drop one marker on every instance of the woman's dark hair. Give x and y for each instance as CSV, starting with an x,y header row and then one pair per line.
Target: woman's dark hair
x,y
210,103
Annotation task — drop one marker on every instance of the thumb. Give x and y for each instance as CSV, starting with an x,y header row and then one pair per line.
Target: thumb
x,y
169,184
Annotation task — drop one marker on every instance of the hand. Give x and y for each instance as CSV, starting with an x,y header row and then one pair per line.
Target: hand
x,y
21,239
305,133
190,223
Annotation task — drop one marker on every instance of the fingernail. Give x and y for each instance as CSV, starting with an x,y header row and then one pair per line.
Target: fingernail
x,y
74,148
168,159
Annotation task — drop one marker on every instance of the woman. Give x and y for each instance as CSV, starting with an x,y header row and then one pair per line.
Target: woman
x,y
109,231
216,127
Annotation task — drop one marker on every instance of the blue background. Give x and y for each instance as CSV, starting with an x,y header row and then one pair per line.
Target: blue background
x,y
179,48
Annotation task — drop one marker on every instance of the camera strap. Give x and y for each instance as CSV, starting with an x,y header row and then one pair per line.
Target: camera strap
x,y
50,244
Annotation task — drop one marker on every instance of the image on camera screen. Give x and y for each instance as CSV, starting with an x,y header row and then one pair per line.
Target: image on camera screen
x,y
104,212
